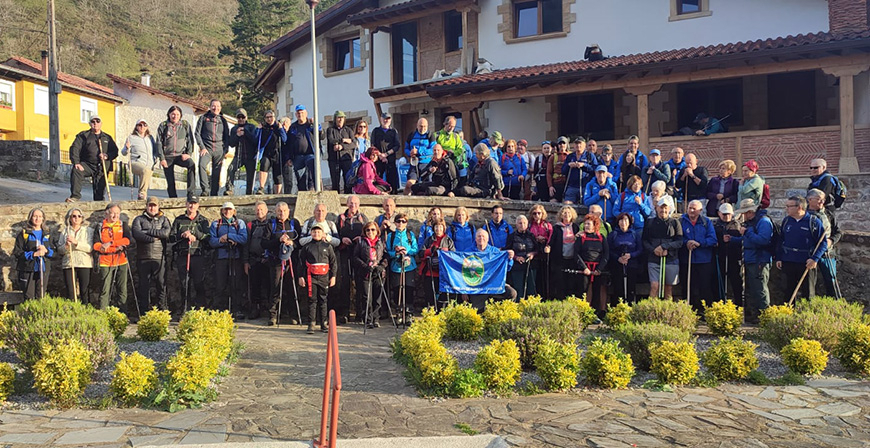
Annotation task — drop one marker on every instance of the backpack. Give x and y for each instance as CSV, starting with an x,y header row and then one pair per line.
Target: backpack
x,y
352,176
775,235
838,191
765,197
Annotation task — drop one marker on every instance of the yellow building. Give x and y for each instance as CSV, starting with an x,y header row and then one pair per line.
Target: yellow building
x,y
24,104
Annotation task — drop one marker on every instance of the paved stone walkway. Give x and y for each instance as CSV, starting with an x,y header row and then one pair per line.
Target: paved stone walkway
x,y
274,393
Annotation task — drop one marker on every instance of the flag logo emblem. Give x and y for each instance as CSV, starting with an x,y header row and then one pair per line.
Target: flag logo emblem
x,y
472,270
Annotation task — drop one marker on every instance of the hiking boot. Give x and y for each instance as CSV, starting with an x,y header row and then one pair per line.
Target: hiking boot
x,y
294,322
310,329
376,324
228,193
71,199
273,322
259,191
342,320
324,327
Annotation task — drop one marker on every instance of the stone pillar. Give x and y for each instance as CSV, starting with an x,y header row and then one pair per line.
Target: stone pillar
x,y
642,93
848,162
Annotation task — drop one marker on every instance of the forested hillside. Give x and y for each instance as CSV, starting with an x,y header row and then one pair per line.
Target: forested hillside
x,y
177,41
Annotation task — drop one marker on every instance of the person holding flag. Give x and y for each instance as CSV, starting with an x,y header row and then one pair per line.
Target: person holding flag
x,y
480,273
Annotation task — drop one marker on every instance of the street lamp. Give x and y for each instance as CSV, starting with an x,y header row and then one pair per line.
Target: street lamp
x,y
317,177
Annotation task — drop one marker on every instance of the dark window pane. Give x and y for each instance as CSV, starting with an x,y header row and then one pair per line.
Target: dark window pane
x,y
551,16
341,53
356,53
687,6
791,100
718,99
453,31
587,115
527,19
404,53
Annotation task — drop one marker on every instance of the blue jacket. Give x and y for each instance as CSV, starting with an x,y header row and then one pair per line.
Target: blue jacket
x,y
462,236
591,196
270,142
425,232
676,169
424,144
405,239
625,243
489,249
236,231
498,233
626,204
574,175
701,231
799,239
515,163
612,168
470,160
756,239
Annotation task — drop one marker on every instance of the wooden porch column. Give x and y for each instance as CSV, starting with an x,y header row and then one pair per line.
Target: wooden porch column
x,y
642,93
464,52
846,75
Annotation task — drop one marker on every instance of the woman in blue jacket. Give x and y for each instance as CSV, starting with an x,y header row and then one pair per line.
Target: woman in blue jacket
x,y
513,171
626,251
402,250
32,250
426,229
461,231
633,202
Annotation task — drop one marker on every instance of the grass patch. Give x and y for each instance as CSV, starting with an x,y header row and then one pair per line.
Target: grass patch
x,y
466,428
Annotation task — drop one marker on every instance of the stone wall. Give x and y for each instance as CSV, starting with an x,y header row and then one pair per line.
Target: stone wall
x,y
23,159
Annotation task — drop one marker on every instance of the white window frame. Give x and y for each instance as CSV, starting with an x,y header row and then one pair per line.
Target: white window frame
x,y
38,91
11,92
88,105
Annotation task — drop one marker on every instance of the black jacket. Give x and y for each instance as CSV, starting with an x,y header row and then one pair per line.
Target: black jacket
x,y
199,226
334,136
732,249
318,252
523,244
246,145
259,233
87,146
212,132
151,234
272,245
667,233
387,140
591,249
445,174
350,227
361,259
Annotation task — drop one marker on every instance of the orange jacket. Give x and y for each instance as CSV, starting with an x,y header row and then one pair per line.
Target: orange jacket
x,y
116,233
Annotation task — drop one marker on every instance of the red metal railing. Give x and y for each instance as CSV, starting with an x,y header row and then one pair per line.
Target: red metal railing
x,y
333,367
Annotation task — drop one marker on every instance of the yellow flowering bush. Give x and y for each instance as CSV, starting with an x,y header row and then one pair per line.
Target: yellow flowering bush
x,y
605,365
673,362
5,317
805,356
7,381
557,364
437,367
772,311
584,309
617,315
730,359
117,320
724,318
193,366
529,301
154,325
462,321
216,326
63,371
853,349
502,311
499,363
134,378
677,314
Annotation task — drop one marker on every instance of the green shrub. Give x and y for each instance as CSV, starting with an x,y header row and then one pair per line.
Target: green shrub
x,y
529,301
63,371
617,315
819,318
154,325
462,321
497,313
772,311
724,318
117,320
216,326
133,379
437,367
676,314
557,364
637,337
804,356
7,381
48,320
730,359
499,363
468,384
853,349
429,364
605,365
558,320
673,362
191,369
584,310
5,316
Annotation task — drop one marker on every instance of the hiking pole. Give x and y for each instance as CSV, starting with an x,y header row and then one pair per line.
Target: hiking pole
x,y
75,286
806,271
402,297
624,283
368,298
187,279
295,293
131,178
686,195
689,280
662,278
526,278
105,174
565,188
133,284
389,308
280,295
41,276
833,268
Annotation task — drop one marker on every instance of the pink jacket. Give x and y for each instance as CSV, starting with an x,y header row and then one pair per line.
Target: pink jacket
x,y
369,179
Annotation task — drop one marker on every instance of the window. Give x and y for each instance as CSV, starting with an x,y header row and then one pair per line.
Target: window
x,y
689,9
40,100
89,109
718,99
404,49
346,54
791,100
688,6
536,17
453,31
590,116
7,94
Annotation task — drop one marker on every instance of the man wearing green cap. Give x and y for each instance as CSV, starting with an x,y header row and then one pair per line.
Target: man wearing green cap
x,y
340,144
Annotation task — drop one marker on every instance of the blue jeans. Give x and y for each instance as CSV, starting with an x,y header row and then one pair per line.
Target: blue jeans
x,y
756,293
573,194
304,167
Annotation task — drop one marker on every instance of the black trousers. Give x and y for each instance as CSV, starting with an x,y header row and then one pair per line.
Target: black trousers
x,y
596,298
479,300
338,170
542,190
259,279
702,280
731,275
169,173
83,278
319,288
195,282
95,172
428,189
427,292
793,273
514,191
362,300
469,191
35,283
228,278
151,272
287,299
622,278
340,295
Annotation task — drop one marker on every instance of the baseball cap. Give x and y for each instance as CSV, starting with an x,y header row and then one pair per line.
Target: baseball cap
x,y
579,139
726,209
321,226
496,137
95,118
655,151
152,200
241,113
339,114
193,199
562,139
141,120
601,168
700,116
666,200
228,205
386,115
299,107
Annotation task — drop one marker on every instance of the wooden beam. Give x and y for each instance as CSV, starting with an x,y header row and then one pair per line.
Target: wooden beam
x,y
643,121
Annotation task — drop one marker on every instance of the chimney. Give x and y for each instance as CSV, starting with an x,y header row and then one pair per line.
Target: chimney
x,y
848,16
45,63
146,79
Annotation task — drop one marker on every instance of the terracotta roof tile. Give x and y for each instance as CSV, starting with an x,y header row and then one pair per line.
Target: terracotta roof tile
x,y
66,78
655,57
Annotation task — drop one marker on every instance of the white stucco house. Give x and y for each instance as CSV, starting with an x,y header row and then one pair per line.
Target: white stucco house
x,y
789,76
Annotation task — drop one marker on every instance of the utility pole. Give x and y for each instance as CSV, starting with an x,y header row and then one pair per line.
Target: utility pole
x,y
318,182
53,92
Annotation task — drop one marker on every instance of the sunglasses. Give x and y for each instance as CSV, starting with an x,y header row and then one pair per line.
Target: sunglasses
x,y
371,230
402,221
76,216
96,120
241,117
144,125
814,167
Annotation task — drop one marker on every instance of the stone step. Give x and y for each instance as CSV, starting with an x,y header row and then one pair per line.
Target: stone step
x,y
477,441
